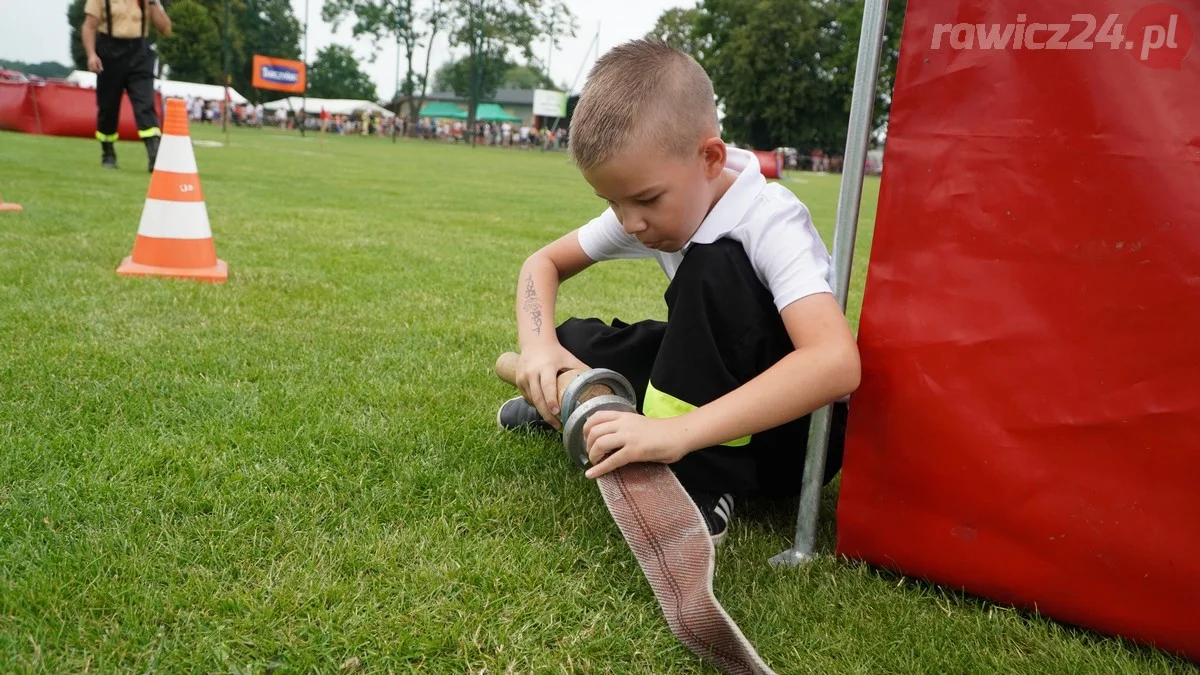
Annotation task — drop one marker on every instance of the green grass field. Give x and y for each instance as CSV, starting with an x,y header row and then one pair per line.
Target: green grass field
x,y
301,467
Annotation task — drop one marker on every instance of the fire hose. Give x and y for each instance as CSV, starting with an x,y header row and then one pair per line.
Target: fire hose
x,y
663,527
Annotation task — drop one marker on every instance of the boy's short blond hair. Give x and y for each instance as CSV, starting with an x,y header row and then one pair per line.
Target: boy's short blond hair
x,y
643,92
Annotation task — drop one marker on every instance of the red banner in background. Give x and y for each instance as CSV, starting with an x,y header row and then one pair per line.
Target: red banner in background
x,y
60,110
1028,427
279,74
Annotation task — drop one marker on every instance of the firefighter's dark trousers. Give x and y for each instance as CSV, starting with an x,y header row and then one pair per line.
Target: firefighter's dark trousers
x,y
128,67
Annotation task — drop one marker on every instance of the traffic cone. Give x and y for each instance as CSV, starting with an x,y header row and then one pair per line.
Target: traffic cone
x,y
9,207
174,238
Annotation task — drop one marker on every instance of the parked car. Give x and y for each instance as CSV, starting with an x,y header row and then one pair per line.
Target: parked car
x,y
12,76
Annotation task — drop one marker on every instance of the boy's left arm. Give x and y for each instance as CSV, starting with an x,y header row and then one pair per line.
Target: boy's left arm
x,y
823,368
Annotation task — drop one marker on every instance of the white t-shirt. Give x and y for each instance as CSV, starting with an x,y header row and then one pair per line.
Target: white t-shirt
x,y
771,223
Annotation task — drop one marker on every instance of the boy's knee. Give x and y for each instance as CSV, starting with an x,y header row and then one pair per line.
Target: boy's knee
x,y
575,335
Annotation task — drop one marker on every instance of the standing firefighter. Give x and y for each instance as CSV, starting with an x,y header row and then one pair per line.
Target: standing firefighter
x,y
115,38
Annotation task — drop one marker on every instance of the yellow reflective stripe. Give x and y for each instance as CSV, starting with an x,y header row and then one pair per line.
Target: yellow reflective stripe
x,y
661,405
148,133
107,138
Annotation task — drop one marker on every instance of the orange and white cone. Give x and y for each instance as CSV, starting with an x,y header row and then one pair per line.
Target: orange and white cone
x,y
8,206
174,238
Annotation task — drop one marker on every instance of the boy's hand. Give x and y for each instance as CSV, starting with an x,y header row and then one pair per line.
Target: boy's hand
x,y
537,377
615,439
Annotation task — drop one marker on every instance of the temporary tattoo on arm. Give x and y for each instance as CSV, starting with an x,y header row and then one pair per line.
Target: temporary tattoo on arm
x,y
532,306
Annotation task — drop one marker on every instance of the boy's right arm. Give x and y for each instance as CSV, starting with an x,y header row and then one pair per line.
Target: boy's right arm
x,y
542,357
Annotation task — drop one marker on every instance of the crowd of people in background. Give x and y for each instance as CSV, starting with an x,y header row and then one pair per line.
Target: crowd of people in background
x,y
501,134
244,114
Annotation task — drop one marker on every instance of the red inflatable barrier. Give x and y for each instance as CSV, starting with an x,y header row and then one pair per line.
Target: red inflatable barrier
x,y
17,108
1028,427
771,163
59,110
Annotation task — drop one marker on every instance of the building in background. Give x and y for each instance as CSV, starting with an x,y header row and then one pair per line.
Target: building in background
x,y
516,102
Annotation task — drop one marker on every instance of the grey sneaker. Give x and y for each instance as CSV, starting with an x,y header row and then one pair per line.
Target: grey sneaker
x,y
517,413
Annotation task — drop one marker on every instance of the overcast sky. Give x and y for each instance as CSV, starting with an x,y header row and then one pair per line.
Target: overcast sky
x,y
36,30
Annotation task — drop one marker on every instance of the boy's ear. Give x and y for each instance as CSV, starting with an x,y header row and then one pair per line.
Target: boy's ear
x,y
713,153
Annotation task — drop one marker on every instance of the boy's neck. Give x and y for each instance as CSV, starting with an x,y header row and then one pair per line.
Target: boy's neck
x,y
722,185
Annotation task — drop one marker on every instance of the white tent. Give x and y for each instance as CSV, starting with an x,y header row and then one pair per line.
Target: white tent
x,y
333,106
168,88
207,92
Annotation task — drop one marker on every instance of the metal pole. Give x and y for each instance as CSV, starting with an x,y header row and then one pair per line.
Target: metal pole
x,y
304,96
225,48
862,108
396,94
477,80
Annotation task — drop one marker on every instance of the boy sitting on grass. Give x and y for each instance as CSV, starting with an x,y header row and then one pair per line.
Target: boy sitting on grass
x,y
754,339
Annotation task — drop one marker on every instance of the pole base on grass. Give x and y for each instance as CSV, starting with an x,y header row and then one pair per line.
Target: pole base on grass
x,y
792,558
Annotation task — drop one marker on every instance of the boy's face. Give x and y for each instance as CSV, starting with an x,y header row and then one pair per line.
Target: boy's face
x,y
661,198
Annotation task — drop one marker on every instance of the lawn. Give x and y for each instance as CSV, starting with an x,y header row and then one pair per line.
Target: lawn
x,y
300,469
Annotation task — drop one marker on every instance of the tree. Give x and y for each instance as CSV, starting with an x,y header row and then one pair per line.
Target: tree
x,y
193,51
380,20
527,77
850,21
75,21
270,28
487,73
335,74
491,28
43,69
677,27
267,27
556,21
412,29
237,42
495,73
796,91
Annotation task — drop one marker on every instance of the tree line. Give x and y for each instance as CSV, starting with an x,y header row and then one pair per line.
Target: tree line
x,y
196,51
783,70
497,36
43,69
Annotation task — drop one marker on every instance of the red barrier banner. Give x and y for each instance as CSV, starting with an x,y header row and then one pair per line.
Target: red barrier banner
x,y
771,163
279,74
17,107
1028,427
71,111
59,110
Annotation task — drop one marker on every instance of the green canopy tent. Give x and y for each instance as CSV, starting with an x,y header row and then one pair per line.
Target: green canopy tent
x,y
443,110
492,112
